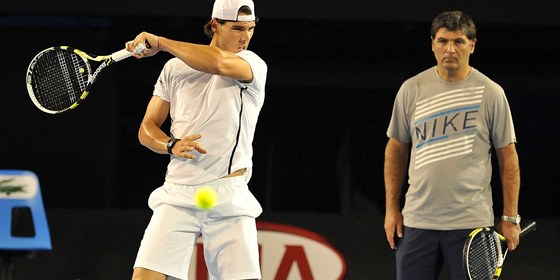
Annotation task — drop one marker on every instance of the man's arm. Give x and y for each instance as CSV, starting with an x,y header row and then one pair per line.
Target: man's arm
x,y
510,178
150,133
396,162
152,137
204,58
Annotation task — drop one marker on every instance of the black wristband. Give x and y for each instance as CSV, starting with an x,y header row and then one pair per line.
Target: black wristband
x,y
170,144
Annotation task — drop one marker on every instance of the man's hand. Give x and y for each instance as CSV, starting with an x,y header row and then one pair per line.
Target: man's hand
x,y
150,40
187,145
393,225
511,232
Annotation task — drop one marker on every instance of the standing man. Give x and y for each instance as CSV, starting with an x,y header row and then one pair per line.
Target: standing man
x,y
448,118
213,95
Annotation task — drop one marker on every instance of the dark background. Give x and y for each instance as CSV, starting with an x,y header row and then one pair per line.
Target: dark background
x,y
334,70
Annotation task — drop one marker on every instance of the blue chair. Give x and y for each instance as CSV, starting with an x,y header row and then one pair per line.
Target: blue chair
x,y
20,198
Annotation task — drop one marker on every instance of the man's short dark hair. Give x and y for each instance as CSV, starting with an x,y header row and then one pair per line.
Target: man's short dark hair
x,y
454,21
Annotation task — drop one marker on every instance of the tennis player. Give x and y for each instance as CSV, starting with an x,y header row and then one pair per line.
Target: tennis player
x,y
446,120
213,95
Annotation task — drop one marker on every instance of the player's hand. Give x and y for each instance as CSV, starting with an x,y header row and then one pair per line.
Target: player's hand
x,y
511,232
150,40
187,146
393,227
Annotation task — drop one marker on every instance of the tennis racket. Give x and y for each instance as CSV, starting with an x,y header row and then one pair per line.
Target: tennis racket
x,y
60,78
485,251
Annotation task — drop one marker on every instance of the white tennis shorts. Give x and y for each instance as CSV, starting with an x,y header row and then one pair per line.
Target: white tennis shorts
x,y
228,231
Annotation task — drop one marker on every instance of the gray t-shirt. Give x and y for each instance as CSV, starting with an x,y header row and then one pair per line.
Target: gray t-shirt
x,y
452,128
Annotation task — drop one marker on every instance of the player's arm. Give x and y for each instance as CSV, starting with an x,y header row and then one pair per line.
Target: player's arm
x,y
152,137
510,178
203,58
150,134
396,162
209,59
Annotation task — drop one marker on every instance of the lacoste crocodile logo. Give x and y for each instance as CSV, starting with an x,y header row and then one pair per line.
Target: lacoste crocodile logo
x,y
8,189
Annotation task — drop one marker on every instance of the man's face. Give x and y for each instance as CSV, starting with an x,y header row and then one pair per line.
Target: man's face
x,y
234,36
452,49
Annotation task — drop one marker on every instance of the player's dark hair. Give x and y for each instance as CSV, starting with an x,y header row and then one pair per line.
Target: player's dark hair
x,y
245,10
454,21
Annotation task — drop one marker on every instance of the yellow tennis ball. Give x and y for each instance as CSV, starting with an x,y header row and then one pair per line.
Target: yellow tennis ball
x,y
82,70
205,198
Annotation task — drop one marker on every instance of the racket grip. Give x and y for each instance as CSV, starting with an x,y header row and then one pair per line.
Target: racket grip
x,y
123,54
528,228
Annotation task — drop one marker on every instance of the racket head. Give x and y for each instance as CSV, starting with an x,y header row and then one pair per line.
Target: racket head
x,y
482,254
57,79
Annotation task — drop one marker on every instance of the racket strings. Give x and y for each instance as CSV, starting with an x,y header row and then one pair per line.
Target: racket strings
x,y
66,74
483,256
58,79
498,247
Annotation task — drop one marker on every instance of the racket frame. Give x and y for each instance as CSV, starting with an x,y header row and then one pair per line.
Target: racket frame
x,y
500,240
466,249
91,78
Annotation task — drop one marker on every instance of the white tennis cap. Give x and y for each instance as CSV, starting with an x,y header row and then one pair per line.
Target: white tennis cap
x,y
228,9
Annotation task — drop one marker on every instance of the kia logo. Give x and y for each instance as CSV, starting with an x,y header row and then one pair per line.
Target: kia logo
x,y
287,253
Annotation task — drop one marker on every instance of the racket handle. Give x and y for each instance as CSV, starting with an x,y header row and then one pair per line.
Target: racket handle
x,y
123,54
528,228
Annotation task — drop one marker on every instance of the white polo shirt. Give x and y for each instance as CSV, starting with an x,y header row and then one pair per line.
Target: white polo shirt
x,y
223,110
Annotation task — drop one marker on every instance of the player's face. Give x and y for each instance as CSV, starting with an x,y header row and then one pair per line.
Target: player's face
x,y
235,36
452,49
